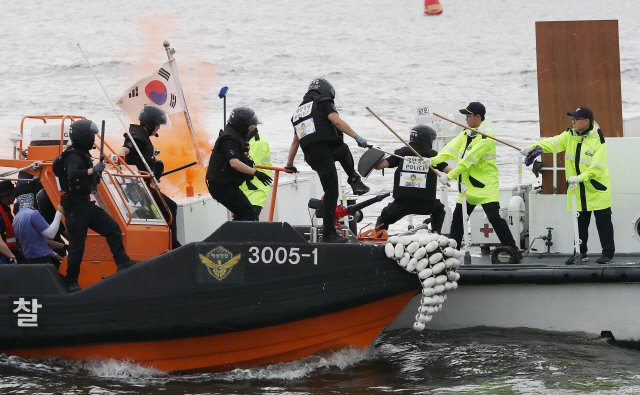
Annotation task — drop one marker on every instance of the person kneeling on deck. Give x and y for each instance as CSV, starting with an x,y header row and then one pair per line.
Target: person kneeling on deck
x,y
33,232
78,179
259,152
151,119
318,129
230,165
476,156
414,185
585,165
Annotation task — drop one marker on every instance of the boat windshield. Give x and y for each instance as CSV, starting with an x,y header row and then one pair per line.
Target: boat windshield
x,y
136,197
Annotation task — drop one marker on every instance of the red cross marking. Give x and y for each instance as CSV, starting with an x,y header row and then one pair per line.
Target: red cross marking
x,y
486,230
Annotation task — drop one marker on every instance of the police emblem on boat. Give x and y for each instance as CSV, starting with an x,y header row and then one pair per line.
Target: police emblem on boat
x,y
219,262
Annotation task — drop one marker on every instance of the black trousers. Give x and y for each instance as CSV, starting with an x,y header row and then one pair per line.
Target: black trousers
x,y
399,208
605,230
173,208
82,214
321,158
234,200
492,210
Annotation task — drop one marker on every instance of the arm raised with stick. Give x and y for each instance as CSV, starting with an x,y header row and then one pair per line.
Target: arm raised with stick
x,y
405,143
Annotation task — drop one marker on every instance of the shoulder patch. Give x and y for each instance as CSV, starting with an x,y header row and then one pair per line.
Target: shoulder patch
x,y
601,136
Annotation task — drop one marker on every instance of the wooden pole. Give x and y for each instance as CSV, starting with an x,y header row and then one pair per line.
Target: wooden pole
x,y
474,130
405,143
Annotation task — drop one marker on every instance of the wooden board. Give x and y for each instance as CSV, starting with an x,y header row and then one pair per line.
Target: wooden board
x,y
578,65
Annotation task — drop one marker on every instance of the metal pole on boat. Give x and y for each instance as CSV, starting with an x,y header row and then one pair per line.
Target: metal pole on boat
x,y
223,96
577,257
405,143
174,68
153,177
465,223
474,130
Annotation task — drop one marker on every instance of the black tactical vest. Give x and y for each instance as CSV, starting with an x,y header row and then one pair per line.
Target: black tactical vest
x,y
312,125
82,186
142,140
412,180
220,171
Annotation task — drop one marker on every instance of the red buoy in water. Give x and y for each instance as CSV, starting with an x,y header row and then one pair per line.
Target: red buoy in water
x,y
432,7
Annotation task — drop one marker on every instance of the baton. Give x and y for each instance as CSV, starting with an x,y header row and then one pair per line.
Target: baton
x,y
102,143
178,168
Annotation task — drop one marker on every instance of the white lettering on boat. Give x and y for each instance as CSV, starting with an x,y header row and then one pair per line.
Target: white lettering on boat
x,y
280,256
29,306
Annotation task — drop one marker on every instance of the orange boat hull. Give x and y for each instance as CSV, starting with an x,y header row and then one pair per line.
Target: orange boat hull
x,y
353,327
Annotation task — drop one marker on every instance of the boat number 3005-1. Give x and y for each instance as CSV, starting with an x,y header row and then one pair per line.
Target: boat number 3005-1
x,y
281,255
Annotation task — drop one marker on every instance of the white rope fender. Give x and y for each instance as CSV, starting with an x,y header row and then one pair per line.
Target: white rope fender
x,y
434,258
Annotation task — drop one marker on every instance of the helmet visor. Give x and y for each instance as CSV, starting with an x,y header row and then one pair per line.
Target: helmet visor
x,y
254,121
164,122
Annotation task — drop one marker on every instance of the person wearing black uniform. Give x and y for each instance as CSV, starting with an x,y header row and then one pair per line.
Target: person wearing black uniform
x,y
414,185
230,165
9,249
78,179
318,130
151,118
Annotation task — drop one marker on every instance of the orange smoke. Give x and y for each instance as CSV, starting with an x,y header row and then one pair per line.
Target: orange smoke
x,y
197,79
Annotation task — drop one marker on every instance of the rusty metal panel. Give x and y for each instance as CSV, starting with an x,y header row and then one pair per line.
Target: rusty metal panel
x,y
578,65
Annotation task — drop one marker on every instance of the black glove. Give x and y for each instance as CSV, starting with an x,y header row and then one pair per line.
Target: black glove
x,y
98,168
266,180
291,167
159,169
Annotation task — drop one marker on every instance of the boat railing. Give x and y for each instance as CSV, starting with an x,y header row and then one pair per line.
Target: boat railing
x,y
274,190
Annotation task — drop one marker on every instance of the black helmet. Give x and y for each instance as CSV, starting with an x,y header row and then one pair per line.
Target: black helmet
x,y
83,133
423,134
152,116
242,118
323,87
44,203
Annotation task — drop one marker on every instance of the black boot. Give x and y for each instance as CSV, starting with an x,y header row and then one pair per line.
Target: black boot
x,y
72,285
358,186
333,237
126,264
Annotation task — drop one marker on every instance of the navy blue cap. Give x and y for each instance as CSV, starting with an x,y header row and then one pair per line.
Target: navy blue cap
x,y
474,108
582,112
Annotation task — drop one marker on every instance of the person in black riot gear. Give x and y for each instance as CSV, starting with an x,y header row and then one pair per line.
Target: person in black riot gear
x,y
151,119
318,130
230,165
414,185
78,179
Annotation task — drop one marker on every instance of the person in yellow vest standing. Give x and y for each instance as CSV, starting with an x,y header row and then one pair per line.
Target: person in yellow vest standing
x,y
585,164
476,167
259,152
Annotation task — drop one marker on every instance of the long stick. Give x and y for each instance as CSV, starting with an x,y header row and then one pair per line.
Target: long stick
x,y
179,168
477,131
153,177
405,143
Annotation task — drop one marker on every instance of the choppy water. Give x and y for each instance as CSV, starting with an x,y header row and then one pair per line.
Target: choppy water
x,y
477,361
377,53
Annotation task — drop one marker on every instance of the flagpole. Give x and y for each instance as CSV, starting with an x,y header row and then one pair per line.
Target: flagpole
x,y
174,68
121,121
